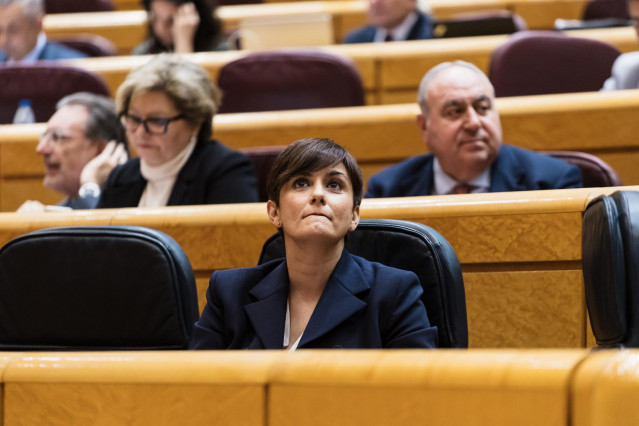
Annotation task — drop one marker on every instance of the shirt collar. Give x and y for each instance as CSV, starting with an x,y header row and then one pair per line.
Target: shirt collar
x,y
400,32
32,56
443,183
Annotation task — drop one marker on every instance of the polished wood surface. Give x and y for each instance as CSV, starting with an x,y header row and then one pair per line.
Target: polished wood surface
x,y
127,28
520,252
390,72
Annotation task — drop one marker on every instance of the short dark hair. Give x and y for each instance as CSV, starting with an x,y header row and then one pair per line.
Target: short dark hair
x,y
103,124
311,155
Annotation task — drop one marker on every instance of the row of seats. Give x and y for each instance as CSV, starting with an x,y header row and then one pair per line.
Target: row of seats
x,y
529,63
142,293
520,253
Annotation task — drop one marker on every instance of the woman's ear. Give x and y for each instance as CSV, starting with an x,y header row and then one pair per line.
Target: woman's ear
x,y
354,219
273,213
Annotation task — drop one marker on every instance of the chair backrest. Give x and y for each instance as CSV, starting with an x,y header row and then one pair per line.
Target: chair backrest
x,y
45,85
73,6
594,171
601,9
263,158
610,256
544,62
92,45
479,23
281,80
88,288
413,247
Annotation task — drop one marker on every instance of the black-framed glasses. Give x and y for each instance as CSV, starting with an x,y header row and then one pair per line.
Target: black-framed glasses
x,y
153,126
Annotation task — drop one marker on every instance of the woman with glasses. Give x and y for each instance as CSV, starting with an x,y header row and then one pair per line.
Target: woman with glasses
x,y
181,26
167,108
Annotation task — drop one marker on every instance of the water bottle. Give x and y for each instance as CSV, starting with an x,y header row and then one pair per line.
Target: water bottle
x,y
24,113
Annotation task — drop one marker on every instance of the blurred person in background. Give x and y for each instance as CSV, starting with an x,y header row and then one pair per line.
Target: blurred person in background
x,y
181,26
83,142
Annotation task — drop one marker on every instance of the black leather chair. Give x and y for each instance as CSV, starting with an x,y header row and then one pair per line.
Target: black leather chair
x,y
45,85
414,247
610,257
283,80
93,288
594,171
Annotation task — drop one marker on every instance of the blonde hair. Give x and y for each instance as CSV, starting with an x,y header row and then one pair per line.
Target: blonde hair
x,y
186,84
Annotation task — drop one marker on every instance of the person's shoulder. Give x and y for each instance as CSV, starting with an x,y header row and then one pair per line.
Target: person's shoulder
x,y
54,50
227,158
364,34
240,280
537,158
542,170
402,169
380,274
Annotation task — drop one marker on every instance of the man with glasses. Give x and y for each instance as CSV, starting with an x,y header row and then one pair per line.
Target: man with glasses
x,y
625,70
21,36
83,142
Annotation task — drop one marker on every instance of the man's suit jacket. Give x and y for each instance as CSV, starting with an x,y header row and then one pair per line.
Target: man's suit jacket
x,y
421,30
515,169
52,51
213,174
364,305
625,73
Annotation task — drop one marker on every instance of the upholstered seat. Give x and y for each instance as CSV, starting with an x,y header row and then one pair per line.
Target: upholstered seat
x,y
263,158
87,288
283,80
594,171
610,256
544,62
92,45
73,6
414,247
44,85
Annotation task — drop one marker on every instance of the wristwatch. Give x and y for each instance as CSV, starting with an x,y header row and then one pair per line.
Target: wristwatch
x,y
89,189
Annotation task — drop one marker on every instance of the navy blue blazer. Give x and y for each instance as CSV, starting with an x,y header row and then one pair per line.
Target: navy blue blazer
x,y
213,174
515,169
421,30
364,305
52,51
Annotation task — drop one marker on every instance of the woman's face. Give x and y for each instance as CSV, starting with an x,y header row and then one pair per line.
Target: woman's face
x,y
316,205
162,13
157,149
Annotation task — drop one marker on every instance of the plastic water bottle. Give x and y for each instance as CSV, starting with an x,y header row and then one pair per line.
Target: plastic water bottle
x,y
24,113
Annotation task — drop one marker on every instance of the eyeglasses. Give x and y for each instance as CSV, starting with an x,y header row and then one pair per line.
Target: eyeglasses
x,y
55,137
153,126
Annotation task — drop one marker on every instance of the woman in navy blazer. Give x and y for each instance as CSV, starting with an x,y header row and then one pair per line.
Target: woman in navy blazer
x,y
319,296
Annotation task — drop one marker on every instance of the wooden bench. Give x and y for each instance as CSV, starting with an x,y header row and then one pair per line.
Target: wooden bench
x,y
602,124
520,252
276,388
390,72
127,28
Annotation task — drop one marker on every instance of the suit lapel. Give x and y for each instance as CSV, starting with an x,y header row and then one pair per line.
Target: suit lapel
x,y
339,299
506,173
185,177
268,313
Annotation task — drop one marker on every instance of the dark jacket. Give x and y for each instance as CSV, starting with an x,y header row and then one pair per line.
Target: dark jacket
x,y
515,169
364,305
213,174
421,30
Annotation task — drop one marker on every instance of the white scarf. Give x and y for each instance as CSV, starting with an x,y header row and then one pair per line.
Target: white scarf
x,y
160,179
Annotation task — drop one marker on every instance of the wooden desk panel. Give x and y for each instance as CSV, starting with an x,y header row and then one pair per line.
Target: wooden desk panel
x,y
127,28
390,72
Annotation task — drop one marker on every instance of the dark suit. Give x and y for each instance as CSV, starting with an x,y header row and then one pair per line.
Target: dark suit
x,y
80,203
422,29
52,51
213,174
515,169
364,305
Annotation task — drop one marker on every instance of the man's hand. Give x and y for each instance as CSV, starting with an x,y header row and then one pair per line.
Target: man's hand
x,y
98,169
185,24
